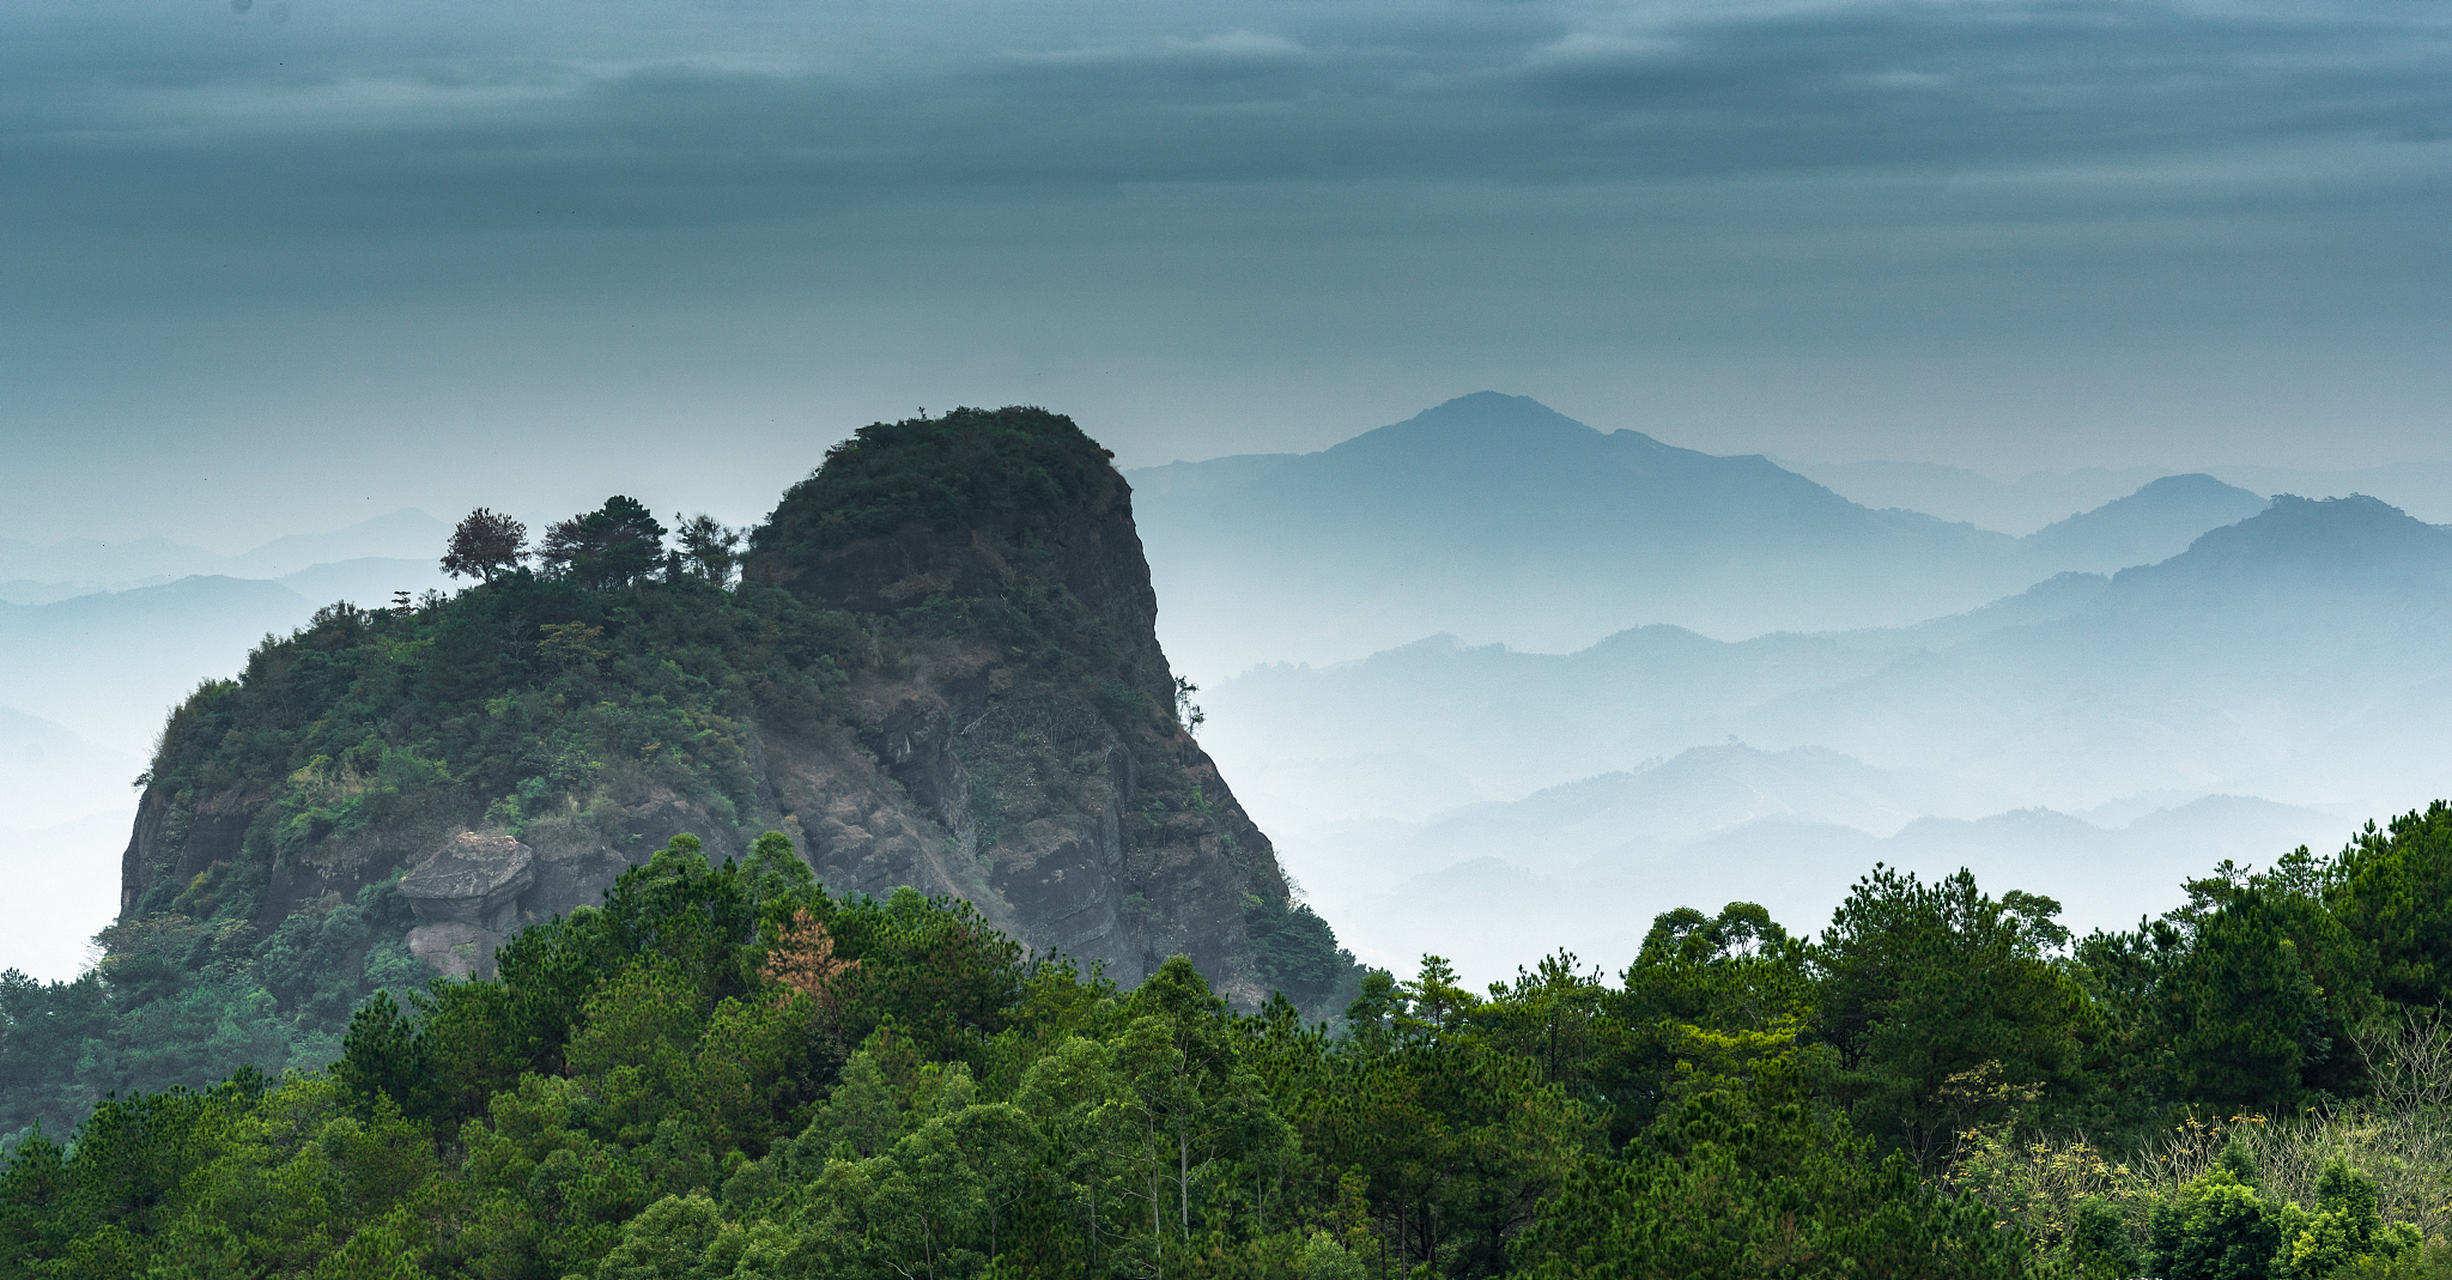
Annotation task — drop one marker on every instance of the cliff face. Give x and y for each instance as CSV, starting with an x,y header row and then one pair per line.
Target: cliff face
x,y
1025,779
941,671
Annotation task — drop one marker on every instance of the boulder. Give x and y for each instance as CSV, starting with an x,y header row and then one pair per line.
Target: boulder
x,y
474,879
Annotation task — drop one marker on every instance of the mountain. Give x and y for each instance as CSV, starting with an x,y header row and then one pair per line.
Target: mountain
x,y
2154,523
87,560
939,671
2019,506
109,664
106,566
408,534
1496,518
2294,656
371,581
2027,504
1476,886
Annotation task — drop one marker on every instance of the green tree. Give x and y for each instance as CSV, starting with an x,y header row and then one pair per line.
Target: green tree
x,y
1920,983
709,551
2393,892
613,546
1751,1181
2218,1228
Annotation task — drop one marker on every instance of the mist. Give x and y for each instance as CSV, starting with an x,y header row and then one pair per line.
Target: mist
x,y
1934,327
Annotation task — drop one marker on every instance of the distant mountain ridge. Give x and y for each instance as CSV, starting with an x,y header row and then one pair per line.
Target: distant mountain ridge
x,y
2295,655
2423,489
407,534
1499,518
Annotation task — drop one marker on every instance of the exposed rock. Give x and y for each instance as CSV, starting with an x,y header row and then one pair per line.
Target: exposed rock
x,y
181,845
455,947
474,879
1061,799
1001,727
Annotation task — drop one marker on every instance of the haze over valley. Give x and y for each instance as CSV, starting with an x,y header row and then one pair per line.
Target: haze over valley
x,y
1488,669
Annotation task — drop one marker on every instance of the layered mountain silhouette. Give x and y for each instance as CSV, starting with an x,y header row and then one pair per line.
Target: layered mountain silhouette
x,y
1497,518
2294,656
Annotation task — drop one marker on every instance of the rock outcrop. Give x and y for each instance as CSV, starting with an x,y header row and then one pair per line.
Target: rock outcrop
x,y
978,707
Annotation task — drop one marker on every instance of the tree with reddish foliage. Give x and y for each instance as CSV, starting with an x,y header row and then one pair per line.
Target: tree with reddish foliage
x,y
804,960
485,544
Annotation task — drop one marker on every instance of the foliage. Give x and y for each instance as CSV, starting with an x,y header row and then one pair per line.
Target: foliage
x,y
484,544
1751,1180
726,1071
613,546
529,704
1920,983
970,465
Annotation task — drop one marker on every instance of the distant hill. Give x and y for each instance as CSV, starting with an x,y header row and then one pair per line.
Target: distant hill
x,y
2295,655
1449,887
2032,501
105,651
2019,506
406,534
1496,518
2156,522
110,665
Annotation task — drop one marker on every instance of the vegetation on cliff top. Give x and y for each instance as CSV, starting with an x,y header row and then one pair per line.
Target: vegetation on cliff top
x,y
546,702
969,466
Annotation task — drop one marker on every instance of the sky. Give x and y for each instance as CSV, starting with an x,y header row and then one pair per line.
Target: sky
x,y
276,265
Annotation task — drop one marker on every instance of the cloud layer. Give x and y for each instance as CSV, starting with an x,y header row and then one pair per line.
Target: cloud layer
x,y
2016,233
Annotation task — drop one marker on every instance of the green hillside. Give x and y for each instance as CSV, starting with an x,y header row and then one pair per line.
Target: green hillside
x,y
626,685
726,1071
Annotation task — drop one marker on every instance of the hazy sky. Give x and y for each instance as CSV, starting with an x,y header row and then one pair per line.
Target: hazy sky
x,y
271,265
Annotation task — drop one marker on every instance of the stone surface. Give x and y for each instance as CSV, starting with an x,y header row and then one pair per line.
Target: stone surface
x,y
474,879
456,948
1061,800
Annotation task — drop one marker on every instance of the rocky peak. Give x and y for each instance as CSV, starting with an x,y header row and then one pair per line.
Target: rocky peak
x,y
941,671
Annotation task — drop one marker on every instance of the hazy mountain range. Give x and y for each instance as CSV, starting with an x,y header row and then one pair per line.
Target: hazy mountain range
x,y
101,640
2033,501
2293,656
1594,675
1495,518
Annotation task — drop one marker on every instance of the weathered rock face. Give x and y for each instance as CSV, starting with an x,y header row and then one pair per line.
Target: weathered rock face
x,y
475,879
456,948
466,896
1059,795
168,842
1007,735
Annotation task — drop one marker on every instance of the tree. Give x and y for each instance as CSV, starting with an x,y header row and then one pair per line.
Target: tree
x,y
484,544
708,549
613,546
1754,1180
1922,982
2217,1229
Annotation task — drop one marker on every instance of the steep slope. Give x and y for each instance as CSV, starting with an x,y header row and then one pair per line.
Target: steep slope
x,y
939,671
1035,734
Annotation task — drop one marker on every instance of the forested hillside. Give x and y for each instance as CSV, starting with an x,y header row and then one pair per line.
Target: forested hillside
x,y
727,1071
938,670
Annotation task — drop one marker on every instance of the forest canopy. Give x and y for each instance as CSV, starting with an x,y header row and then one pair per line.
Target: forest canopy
x,y
726,1071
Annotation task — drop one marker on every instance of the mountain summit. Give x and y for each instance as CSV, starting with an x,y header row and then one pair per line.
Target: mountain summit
x,y
1497,518
938,673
